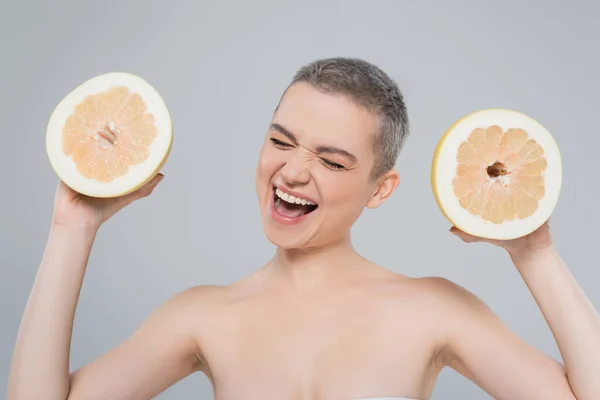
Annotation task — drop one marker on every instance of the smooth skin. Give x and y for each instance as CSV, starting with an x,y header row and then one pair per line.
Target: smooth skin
x,y
318,321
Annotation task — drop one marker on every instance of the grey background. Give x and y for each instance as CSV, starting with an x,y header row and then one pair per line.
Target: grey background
x,y
221,69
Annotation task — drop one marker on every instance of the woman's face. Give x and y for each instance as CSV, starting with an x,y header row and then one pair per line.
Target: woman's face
x,y
318,149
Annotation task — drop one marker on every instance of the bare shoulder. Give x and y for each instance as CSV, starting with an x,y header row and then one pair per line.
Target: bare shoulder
x,y
204,301
184,314
443,306
200,294
196,301
451,303
445,290
433,290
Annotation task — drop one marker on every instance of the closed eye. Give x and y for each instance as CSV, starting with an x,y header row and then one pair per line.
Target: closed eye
x,y
329,164
279,143
332,165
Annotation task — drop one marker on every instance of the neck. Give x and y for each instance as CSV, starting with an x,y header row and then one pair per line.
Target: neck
x,y
314,268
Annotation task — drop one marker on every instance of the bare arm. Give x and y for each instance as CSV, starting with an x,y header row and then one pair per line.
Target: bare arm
x,y
571,317
480,347
161,352
41,354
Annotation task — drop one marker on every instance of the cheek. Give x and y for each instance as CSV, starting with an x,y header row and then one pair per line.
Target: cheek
x,y
268,162
342,192
335,190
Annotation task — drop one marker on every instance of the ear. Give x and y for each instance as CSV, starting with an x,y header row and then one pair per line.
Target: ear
x,y
384,188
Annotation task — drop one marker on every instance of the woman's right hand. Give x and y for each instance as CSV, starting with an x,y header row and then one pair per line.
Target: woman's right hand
x,y
73,209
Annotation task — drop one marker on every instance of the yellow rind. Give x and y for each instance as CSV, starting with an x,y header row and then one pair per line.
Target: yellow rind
x,y
133,188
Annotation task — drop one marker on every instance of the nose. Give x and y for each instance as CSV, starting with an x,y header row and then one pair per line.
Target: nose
x,y
295,171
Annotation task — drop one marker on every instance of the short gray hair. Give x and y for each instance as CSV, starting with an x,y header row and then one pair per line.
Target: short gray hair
x,y
371,88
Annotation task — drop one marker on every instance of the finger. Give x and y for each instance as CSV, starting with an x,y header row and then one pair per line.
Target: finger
x,y
465,237
457,232
140,193
148,188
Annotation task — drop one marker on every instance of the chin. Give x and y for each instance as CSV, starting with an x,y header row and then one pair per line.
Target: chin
x,y
286,237
284,242
291,237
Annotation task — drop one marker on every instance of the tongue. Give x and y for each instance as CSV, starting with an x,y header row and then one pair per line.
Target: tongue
x,y
291,210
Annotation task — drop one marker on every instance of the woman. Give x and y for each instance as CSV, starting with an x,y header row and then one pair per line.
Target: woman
x,y
318,321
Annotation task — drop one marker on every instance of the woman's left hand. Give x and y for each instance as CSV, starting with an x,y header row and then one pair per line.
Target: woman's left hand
x,y
538,240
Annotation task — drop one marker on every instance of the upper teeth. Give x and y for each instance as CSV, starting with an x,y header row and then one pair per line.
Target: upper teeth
x,y
292,199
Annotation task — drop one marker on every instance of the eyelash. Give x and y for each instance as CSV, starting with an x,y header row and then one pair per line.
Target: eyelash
x,y
327,163
332,165
280,143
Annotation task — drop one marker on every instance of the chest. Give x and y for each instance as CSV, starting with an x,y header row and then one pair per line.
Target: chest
x,y
344,351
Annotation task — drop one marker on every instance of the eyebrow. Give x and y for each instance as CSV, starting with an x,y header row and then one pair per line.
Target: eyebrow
x,y
319,149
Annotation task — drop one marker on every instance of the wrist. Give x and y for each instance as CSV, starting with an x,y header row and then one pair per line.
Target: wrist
x,y
67,250
530,254
78,230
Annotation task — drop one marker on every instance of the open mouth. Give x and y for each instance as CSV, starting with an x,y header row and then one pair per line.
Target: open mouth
x,y
291,206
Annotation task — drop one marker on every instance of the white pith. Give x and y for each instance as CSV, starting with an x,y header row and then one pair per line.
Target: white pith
x,y
292,199
444,170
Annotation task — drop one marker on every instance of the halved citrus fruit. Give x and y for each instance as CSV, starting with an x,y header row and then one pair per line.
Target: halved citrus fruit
x,y
497,174
110,135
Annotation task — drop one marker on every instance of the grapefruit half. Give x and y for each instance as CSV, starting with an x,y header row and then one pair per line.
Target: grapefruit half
x,y
497,174
110,135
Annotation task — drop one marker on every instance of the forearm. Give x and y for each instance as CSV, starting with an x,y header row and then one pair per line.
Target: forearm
x,y
571,317
40,365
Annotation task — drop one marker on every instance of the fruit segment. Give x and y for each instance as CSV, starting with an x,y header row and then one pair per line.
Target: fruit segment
x,y
499,174
108,132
